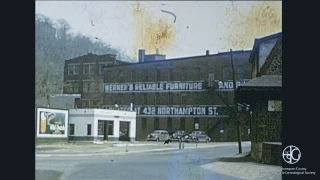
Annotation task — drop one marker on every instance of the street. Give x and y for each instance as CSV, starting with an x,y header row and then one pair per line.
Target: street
x,y
175,165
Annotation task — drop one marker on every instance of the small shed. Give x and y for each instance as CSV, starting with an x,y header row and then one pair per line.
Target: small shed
x,y
100,124
264,97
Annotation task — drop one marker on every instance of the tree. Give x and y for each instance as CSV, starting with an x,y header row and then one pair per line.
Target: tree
x,y
54,45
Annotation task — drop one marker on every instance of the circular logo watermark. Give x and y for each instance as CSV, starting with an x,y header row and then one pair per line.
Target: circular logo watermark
x,y
291,154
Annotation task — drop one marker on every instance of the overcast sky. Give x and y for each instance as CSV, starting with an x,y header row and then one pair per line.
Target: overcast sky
x,y
199,25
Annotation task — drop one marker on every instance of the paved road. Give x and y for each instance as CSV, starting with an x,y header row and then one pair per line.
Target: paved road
x,y
174,165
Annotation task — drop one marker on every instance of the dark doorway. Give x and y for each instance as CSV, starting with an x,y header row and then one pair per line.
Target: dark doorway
x,y
107,129
124,131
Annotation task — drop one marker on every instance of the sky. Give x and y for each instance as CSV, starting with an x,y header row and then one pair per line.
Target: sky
x,y
131,25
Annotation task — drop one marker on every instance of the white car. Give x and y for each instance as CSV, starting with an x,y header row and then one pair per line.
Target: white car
x,y
158,135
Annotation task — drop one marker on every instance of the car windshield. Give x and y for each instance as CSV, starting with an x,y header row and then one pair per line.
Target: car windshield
x,y
157,132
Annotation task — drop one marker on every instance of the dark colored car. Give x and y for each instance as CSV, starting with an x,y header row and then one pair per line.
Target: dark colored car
x,y
198,136
180,134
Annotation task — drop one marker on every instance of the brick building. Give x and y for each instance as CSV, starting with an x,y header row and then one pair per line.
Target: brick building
x,y
84,75
190,93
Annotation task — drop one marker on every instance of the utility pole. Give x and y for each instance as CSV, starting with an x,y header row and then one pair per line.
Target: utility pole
x,y
235,104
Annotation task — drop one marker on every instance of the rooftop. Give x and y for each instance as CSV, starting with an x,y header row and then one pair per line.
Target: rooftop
x,y
257,42
265,81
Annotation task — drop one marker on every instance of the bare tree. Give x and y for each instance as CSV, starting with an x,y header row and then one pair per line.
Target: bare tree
x,y
54,45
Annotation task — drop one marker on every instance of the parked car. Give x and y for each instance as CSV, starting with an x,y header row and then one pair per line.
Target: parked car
x,y
158,135
198,136
180,134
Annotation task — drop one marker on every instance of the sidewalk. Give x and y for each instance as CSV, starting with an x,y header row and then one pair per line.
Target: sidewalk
x,y
110,148
245,170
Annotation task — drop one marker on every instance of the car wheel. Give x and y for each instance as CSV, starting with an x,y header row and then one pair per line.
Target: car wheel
x,y
207,140
158,139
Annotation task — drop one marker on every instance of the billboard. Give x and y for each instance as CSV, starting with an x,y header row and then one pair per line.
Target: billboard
x,y
52,122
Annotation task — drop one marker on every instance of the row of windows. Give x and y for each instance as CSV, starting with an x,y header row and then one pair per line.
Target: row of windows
x,y
169,124
87,87
87,68
183,74
169,101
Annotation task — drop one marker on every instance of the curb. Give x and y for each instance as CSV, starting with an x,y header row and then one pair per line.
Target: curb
x,y
122,153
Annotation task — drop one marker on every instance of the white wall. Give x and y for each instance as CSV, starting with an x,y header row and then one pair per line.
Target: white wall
x,y
80,125
91,116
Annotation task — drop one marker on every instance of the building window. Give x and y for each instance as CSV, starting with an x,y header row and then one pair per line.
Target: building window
x,y
76,87
211,80
196,97
170,99
158,75
145,74
121,76
71,129
89,68
144,124
183,99
83,104
73,69
133,76
87,86
120,99
196,123
156,124
86,103
197,74
89,129
157,98
102,66
225,71
240,72
132,97
145,99
182,123
73,87
170,74
100,127
183,75
169,124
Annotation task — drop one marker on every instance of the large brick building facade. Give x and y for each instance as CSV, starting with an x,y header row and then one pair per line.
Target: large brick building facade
x,y
191,93
84,75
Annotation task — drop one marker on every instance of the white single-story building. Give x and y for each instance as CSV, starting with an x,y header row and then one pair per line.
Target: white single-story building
x,y
100,124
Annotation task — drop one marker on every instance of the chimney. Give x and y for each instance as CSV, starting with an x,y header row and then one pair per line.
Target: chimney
x,y
157,51
141,55
207,52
